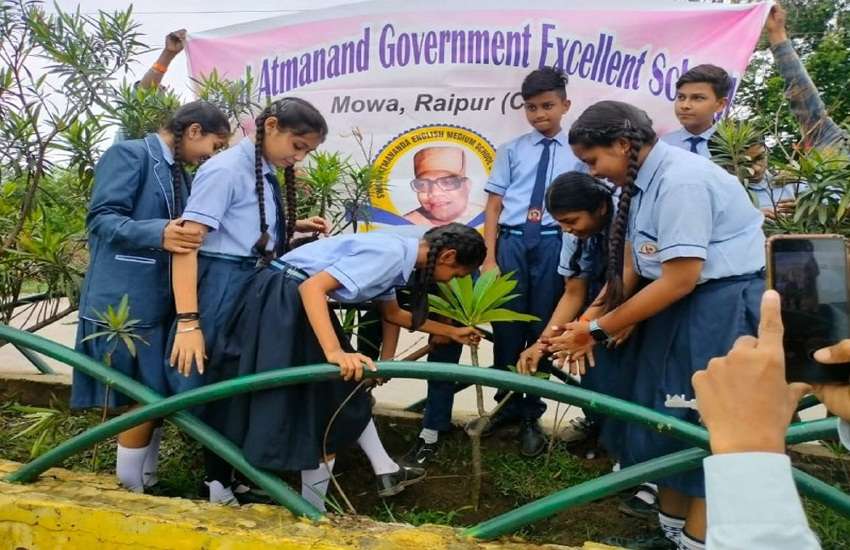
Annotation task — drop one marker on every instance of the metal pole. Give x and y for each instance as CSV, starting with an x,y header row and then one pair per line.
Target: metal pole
x,y
37,361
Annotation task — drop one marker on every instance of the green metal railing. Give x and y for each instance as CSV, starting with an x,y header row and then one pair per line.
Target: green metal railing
x,y
35,359
155,406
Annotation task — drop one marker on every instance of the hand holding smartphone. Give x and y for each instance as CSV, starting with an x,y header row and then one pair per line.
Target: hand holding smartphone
x,y
812,276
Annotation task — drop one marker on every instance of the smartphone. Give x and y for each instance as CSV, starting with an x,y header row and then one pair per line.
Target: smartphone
x,y
812,276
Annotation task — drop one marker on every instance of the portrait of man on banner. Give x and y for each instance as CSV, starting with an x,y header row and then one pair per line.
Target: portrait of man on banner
x,y
441,186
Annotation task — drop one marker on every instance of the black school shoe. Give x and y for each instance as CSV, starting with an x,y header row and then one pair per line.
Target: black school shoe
x,y
394,483
532,442
498,423
421,453
638,507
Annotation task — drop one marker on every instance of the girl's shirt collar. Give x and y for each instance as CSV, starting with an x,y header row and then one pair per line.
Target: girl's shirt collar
x,y
248,148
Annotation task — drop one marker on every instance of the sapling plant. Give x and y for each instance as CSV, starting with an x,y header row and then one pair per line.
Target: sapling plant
x,y
473,304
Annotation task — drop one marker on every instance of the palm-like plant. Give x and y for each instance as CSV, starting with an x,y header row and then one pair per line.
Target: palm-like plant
x,y
472,305
335,187
322,174
730,147
42,424
822,207
118,328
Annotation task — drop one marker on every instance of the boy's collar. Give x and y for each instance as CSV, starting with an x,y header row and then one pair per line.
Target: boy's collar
x,y
537,136
763,183
705,135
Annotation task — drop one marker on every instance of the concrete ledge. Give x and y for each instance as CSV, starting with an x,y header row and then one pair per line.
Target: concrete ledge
x,y
73,510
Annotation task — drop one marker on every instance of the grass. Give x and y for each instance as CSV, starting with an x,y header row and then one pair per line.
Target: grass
x,y
529,479
415,516
832,528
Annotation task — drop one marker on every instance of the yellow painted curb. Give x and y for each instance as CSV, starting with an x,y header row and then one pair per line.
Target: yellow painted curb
x,y
70,510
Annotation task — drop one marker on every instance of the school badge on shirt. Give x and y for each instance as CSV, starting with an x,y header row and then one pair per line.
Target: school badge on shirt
x,y
648,249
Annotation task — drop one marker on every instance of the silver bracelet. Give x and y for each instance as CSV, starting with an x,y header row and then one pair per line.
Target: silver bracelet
x,y
190,329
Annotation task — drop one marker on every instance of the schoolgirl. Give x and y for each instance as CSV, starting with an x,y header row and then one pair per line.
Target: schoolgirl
x,y
236,206
583,206
698,244
133,222
285,322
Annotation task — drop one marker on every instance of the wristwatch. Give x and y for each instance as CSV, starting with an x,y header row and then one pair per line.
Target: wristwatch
x,y
596,331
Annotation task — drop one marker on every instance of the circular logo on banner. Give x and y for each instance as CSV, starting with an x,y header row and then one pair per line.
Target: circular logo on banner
x,y
433,175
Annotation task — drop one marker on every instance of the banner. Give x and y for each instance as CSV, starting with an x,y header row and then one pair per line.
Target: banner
x,y
434,86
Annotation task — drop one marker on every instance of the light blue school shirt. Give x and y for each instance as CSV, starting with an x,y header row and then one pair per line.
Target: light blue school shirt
x,y
752,503
768,196
367,265
515,172
685,206
588,258
224,198
569,244
167,155
677,139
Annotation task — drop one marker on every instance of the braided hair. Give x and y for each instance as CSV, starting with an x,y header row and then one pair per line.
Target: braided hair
x,y
470,251
300,118
600,126
579,192
212,120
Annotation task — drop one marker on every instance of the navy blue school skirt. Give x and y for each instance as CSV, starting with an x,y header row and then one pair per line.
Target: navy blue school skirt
x,y
222,280
146,367
614,376
672,346
282,429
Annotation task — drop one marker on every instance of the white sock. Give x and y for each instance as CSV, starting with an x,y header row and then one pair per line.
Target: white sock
x,y
429,436
219,494
128,467
371,444
314,484
151,464
687,542
672,526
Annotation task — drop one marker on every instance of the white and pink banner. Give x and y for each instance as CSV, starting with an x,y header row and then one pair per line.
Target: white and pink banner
x,y
444,76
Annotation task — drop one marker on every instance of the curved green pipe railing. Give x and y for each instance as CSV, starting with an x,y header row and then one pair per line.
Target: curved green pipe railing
x,y
588,491
298,375
37,361
158,407
654,469
205,435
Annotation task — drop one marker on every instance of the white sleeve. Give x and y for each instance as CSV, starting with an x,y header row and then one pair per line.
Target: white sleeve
x,y
753,504
844,433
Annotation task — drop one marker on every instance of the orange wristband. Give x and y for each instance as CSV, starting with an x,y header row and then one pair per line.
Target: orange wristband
x,y
159,67
585,319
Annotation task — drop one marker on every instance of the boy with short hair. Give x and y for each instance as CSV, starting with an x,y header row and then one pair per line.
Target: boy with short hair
x,y
523,238
701,94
